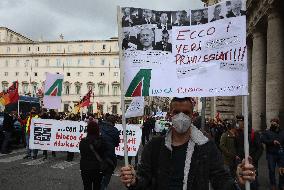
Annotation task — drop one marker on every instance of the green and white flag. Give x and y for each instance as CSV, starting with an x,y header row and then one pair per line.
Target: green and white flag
x,y
52,91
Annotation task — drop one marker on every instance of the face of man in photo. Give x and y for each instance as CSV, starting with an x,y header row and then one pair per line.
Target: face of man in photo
x,y
205,13
146,37
180,16
229,6
127,11
236,5
165,37
164,18
147,13
126,34
197,16
217,10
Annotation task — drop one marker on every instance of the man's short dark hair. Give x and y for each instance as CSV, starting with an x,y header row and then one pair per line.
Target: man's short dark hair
x,y
165,32
185,99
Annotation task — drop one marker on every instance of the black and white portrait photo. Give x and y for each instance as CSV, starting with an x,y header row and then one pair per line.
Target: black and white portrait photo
x,y
129,41
164,44
164,20
235,8
216,12
199,16
146,38
181,18
148,17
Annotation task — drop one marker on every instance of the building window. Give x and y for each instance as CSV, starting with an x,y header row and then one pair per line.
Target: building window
x,y
115,90
66,107
69,62
101,90
114,109
104,46
26,74
79,61
5,86
90,87
6,63
17,63
81,48
29,48
36,63
8,49
115,74
92,62
116,62
25,88
102,74
47,62
37,48
78,89
34,89
27,63
67,88
91,74
68,75
48,48
58,63
35,74
69,48
78,74
5,74
103,62
19,49
16,74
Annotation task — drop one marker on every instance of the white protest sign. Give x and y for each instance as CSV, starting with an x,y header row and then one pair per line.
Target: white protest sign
x,y
201,55
53,91
134,134
136,108
55,135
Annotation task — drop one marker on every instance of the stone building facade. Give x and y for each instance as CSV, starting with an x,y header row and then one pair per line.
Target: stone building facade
x,y
265,42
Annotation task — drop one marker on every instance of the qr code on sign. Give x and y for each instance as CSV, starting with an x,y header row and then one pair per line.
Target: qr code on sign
x,y
42,134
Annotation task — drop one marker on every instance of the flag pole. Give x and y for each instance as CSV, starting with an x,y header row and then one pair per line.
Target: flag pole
x,y
121,64
246,142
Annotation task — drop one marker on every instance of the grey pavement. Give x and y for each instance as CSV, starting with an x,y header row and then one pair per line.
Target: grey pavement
x,y
57,174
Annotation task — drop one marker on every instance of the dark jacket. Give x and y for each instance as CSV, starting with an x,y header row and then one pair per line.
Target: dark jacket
x,y
269,136
110,134
8,122
231,14
228,148
155,168
88,159
160,46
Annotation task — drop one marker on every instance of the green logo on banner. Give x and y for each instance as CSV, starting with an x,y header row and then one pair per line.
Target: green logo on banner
x,y
55,89
140,84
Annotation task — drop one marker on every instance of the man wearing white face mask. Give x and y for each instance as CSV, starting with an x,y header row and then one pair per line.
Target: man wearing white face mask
x,y
183,160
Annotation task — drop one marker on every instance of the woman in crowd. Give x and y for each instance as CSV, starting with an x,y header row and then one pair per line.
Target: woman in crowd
x,y
92,147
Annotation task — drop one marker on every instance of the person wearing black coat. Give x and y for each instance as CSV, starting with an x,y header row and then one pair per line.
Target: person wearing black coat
x,y
8,127
89,164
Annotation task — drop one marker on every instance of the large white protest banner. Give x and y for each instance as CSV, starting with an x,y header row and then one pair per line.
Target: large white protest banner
x,y
53,91
134,134
55,135
197,53
136,108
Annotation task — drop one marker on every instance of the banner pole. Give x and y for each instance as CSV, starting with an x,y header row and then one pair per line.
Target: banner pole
x,y
19,107
121,64
246,142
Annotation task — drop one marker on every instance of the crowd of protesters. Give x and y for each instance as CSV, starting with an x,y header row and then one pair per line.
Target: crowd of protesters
x,y
227,134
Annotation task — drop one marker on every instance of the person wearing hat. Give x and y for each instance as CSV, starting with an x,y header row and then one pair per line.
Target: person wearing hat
x,y
273,138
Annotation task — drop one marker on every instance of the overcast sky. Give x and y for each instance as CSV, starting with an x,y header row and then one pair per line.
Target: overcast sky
x,y
75,19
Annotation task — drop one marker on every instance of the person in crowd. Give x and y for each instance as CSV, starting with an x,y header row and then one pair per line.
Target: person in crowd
x,y
8,127
164,45
30,153
274,141
147,38
181,17
146,129
111,135
89,163
70,155
52,115
217,13
129,42
255,146
197,17
164,22
147,17
229,149
228,6
183,159
236,9
127,19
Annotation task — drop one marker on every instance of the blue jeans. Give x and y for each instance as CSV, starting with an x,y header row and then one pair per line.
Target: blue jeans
x,y
29,151
274,160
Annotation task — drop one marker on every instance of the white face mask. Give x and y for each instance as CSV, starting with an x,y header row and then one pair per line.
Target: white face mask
x,y
181,122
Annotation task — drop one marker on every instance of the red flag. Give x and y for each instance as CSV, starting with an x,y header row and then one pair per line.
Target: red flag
x,y
11,96
86,101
